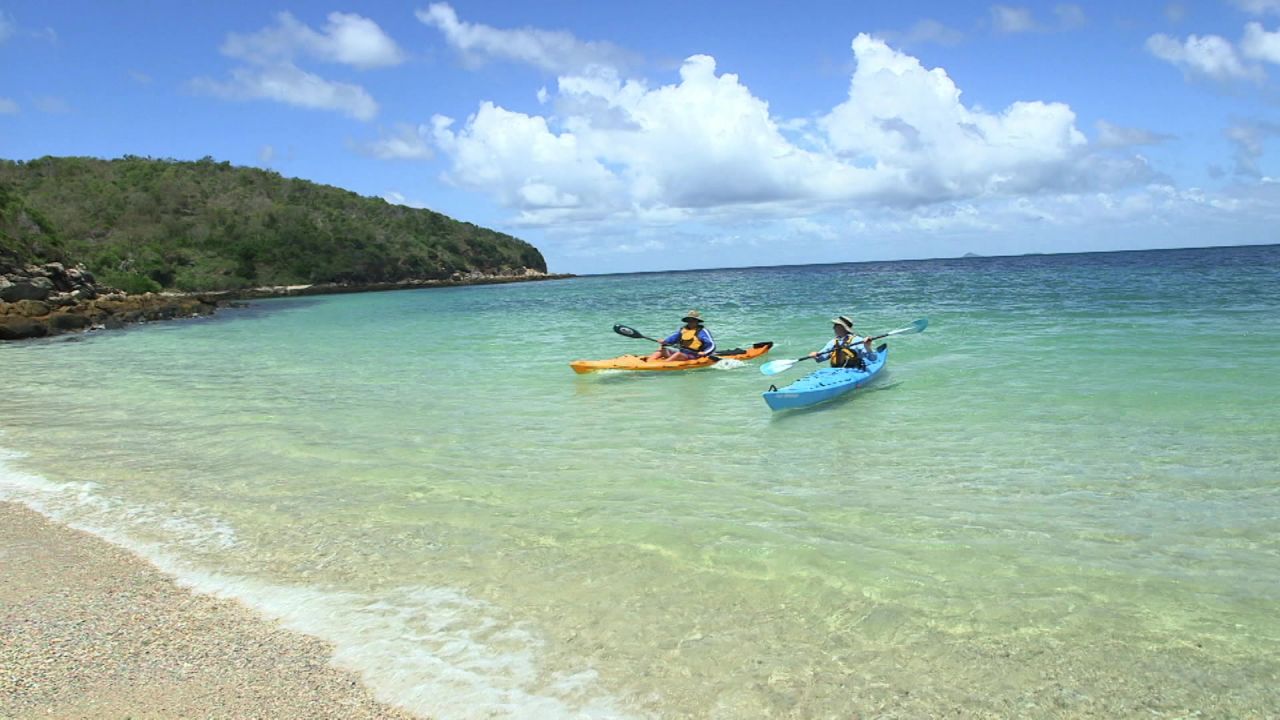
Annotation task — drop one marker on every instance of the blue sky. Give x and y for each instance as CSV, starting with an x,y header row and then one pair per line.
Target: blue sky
x,y
671,135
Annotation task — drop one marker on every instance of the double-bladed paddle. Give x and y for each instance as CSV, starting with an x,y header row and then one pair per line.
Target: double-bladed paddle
x,y
631,333
773,367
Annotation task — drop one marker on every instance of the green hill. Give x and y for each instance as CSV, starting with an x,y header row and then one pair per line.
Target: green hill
x,y
142,224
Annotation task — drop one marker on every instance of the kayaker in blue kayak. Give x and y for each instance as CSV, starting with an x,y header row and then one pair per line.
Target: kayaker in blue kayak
x,y
689,342
846,350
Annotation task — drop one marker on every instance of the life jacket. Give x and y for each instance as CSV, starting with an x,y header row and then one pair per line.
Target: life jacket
x,y
843,355
689,339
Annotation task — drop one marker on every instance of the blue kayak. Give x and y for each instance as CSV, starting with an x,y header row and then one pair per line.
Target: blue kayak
x,y
825,384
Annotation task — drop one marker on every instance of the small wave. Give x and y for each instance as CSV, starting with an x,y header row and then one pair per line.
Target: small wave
x,y
433,651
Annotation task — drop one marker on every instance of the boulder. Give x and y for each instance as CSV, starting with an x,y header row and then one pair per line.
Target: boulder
x,y
30,308
30,288
64,322
14,328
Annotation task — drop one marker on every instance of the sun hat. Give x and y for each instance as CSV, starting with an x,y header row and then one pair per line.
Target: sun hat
x,y
692,315
844,321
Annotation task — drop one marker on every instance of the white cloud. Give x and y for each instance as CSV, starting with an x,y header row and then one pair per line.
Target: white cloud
x,y
396,198
140,77
1258,7
1250,141
909,123
926,32
619,150
1258,44
7,26
52,105
1209,56
1115,136
347,39
290,85
266,154
8,107
551,50
271,73
407,142
1070,17
1012,19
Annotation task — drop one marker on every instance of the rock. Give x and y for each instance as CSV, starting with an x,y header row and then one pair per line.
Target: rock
x,y
63,322
14,328
30,288
31,308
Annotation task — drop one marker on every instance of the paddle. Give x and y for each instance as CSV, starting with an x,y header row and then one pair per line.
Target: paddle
x,y
629,332
773,367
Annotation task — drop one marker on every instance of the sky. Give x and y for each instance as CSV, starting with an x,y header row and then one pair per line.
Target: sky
x,y
662,135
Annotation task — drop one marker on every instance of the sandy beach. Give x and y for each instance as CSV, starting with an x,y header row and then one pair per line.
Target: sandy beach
x,y
88,630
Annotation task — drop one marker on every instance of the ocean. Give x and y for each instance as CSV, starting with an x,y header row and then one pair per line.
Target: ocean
x,y
1061,500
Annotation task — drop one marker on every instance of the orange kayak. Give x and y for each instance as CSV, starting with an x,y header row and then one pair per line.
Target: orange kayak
x,y
638,362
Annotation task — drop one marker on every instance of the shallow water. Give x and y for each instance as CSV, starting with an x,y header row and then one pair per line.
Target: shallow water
x,y
1060,500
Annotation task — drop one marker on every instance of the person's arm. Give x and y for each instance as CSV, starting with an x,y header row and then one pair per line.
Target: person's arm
x,y
709,344
863,348
672,339
831,345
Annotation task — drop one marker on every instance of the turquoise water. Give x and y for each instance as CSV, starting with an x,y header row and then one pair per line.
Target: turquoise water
x,y
1062,500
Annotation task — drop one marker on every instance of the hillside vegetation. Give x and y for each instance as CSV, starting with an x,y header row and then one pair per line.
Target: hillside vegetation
x,y
141,224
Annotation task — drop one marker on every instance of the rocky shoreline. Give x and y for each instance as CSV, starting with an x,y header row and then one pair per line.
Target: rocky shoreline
x,y
51,299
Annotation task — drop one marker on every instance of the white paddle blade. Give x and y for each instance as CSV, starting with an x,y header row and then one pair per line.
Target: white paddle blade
x,y
773,367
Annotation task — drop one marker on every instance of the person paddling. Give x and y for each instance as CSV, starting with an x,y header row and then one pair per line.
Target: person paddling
x,y
846,350
688,343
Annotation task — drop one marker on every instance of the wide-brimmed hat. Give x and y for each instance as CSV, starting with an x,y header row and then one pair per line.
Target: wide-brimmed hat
x,y
692,316
843,321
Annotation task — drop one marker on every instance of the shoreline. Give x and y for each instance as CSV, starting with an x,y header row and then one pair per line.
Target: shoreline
x,y
88,629
32,318
273,291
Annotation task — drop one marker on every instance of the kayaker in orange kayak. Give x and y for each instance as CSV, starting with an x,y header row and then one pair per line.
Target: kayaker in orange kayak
x,y
689,342
846,349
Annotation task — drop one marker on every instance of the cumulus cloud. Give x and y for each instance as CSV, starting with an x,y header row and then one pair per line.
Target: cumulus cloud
x,y
909,121
8,107
1259,44
270,70
1210,57
550,50
706,146
406,142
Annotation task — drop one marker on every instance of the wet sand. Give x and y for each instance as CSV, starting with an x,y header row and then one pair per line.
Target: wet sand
x,y
88,630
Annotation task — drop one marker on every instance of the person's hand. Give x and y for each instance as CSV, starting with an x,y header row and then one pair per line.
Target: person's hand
x,y
867,342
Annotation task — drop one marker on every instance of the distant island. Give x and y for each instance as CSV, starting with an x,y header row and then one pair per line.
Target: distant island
x,y
971,254
77,234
